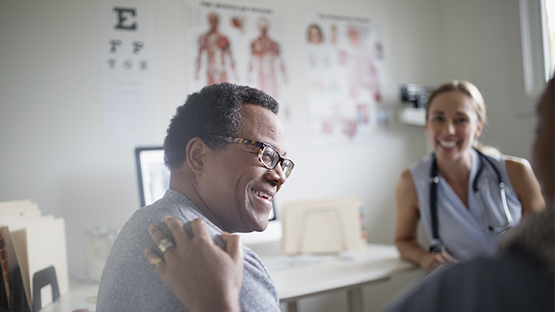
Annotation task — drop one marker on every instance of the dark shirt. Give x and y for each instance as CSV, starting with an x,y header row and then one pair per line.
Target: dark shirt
x,y
506,282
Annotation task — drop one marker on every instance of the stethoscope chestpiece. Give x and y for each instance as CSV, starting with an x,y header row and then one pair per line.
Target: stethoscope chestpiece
x,y
436,246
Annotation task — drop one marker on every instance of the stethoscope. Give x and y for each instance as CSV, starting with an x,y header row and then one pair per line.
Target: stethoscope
x,y
436,245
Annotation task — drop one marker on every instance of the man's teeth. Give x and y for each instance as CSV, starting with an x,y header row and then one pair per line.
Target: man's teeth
x,y
448,144
260,194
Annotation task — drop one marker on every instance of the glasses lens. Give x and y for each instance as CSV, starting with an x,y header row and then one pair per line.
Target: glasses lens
x,y
287,166
269,157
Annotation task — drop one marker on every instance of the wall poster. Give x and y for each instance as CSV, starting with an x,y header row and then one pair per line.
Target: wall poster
x,y
236,43
345,73
129,83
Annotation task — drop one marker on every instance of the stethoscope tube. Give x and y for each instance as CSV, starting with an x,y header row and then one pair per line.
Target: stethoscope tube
x,y
436,244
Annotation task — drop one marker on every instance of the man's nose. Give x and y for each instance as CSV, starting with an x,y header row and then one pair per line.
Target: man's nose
x,y
277,175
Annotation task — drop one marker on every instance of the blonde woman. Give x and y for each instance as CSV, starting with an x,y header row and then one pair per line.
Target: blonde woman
x,y
465,194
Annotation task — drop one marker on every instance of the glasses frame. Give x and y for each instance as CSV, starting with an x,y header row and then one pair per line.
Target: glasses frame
x,y
261,146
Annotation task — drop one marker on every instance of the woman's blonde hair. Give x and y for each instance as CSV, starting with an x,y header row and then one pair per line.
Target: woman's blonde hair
x,y
477,101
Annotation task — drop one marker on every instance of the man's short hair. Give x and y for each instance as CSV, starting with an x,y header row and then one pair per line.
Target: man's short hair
x,y
213,110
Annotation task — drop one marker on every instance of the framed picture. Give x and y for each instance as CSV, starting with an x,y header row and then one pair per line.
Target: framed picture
x,y
154,178
152,174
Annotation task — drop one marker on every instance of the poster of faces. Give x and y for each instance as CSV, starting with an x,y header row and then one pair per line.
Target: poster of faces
x,y
345,72
236,43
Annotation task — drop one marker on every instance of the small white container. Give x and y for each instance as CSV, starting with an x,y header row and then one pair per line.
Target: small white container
x,y
99,243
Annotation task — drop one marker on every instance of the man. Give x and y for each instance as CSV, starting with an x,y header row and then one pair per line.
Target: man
x,y
224,149
519,278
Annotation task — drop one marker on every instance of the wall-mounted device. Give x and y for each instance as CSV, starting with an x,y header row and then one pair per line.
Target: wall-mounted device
x,y
415,96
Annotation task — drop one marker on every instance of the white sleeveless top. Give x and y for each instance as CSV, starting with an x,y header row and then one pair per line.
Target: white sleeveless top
x,y
464,231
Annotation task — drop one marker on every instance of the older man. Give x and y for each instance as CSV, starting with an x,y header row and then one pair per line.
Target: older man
x,y
224,149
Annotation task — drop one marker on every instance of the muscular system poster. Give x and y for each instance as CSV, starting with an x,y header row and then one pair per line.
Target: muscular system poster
x,y
236,43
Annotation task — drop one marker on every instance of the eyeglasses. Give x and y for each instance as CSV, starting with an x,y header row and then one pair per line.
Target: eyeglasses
x,y
268,156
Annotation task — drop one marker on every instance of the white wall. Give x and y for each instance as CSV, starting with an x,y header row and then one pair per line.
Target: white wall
x,y
483,45
52,147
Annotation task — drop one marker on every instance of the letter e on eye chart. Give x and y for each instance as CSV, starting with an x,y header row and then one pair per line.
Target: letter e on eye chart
x,y
129,85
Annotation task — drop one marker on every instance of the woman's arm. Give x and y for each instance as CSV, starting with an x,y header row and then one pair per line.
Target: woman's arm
x,y
525,184
202,275
406,238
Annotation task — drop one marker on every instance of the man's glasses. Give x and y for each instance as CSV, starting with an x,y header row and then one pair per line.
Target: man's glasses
x,y
267,156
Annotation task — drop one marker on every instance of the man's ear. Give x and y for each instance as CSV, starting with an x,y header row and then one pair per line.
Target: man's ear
x,y
196,154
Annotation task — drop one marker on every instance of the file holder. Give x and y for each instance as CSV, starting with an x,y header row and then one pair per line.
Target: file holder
x,y
19,299
337,221
43,278
324,226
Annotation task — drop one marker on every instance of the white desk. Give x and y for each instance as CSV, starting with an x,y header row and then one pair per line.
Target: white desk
x,y
82,296
377,263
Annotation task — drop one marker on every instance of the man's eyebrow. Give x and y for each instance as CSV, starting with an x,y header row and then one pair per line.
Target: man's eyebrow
x,y
272,145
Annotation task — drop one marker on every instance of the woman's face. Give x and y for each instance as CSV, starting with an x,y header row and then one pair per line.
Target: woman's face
x,y
315,36
452,125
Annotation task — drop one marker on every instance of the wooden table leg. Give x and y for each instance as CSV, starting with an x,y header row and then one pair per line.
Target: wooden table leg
x,y
355,299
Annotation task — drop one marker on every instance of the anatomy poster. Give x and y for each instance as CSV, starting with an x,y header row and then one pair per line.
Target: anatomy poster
x,y
129,83
345,70
236,43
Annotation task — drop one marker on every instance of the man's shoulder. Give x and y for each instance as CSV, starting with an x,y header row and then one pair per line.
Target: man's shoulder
x,y
259,291
154,214
172,204
129,283
253,259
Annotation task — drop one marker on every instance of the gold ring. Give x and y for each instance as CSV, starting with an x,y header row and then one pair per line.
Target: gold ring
x,y
164,245
155,261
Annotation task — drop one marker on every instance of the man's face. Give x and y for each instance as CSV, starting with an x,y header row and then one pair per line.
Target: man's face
x,y
543,150
236,188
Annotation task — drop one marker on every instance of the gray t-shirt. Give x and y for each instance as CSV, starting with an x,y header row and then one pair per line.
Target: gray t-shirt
x,y
130,283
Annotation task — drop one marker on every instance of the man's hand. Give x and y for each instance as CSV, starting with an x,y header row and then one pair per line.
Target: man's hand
x,y
202,275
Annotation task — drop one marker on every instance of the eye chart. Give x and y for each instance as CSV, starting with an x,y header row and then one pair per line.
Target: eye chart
x,y
129,84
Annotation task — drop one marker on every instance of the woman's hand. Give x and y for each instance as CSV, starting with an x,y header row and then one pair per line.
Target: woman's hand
x,y
202,275
430,262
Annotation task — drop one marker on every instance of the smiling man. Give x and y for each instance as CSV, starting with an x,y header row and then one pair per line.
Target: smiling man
x,y
224,148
